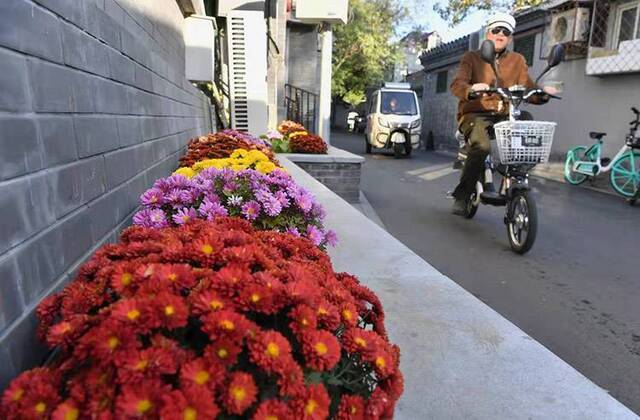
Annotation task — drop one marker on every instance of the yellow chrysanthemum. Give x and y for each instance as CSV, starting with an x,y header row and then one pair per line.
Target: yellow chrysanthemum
x,y
257,156
265,167
298,133
239,153
238,167
188,172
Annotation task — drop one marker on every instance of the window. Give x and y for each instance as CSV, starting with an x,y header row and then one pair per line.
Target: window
x,y
399,103
627,23
441,82
526,46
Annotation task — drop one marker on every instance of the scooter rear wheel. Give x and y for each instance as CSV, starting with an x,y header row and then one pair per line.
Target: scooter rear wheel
x,y
472,208
522,221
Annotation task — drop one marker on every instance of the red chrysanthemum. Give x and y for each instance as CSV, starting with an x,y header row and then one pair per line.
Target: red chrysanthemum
x,y
328,316
140,400
359,341
223,351
291,381
132,312
258,298
321,350
272,410
313,405
148,363
208,301
171,310
175,276
68,410
66,332
201,372
33,394
190,403
303,319
378,404
122,279
230,279
383,363
225,324
271,351
205,251
351,408
239,393
106,341
349,314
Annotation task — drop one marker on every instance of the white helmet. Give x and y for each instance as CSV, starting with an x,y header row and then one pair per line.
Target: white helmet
x,y
502,19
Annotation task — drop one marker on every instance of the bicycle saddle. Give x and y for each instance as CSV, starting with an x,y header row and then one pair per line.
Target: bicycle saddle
x,y
596,135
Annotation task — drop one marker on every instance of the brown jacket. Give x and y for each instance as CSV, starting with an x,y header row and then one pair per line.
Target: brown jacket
x,y
512,69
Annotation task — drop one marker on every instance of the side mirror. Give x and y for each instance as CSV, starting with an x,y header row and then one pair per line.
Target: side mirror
x,y
556,56
488,52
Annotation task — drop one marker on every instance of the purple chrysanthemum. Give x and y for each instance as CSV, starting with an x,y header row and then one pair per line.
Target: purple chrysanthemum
x,y
153,197
185,215
151,218
293,231
304,200
272,207
282,198
331,238
251,210
211,209
315,235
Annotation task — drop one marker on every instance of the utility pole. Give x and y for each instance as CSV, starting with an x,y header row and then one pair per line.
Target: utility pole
x,y
324,122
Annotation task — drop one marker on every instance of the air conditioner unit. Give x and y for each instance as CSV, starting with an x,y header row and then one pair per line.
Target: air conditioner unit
x,y
318,11
199,38
226,6
570,26
247,51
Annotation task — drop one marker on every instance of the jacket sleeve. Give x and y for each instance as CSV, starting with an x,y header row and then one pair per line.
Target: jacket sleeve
x,y
461,85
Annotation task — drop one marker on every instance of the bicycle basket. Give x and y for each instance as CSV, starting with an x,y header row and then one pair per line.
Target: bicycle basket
x,y
524,142
633,141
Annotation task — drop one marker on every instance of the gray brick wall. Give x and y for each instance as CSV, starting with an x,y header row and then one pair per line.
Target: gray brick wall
x,y
94,106
341,178
439,111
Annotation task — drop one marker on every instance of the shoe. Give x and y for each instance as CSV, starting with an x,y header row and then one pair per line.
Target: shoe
x,y
459,207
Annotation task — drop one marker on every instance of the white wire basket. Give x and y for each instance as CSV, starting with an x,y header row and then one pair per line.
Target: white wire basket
x,y
524,142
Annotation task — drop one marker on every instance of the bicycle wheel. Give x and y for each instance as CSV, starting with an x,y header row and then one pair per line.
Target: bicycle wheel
x,y
625,174
574,155
522,222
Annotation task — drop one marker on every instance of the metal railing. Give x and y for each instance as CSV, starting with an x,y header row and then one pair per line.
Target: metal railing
x,y
302,106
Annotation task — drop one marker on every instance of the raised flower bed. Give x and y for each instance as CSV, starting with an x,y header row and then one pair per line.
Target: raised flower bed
x,y
214,306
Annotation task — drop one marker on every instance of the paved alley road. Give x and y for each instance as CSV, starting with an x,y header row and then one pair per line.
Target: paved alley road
x,y
578,290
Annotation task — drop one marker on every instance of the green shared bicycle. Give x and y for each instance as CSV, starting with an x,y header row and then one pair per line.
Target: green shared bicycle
x,y
584,163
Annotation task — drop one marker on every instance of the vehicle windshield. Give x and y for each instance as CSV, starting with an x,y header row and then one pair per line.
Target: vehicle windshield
x,y
398,103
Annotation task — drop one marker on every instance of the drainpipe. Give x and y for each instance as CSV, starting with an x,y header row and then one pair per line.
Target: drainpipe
x,y
324,120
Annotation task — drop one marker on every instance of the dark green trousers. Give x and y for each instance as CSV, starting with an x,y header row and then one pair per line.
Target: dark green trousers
x,y
475,128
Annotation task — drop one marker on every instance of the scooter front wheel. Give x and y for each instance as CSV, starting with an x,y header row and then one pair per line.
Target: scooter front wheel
x,y
397,150
522,221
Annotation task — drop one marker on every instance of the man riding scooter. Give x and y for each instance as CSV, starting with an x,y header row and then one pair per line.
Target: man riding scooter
x,y
478,113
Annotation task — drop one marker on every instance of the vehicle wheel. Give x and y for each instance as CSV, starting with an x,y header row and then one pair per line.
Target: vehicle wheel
x,y
522,221
397,150
625,174
574,155
367,145
471,208
408,148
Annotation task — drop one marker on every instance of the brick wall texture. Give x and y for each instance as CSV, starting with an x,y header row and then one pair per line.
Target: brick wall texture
x,y
341,178
439,111
94,106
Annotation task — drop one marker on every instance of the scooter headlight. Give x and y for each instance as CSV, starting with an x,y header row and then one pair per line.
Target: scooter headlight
x,y
382,122
416,124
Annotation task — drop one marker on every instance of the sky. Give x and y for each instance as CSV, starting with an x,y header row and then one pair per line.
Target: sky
x,y
422,13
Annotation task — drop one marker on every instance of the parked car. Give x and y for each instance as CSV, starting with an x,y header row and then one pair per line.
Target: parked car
x,y
394,121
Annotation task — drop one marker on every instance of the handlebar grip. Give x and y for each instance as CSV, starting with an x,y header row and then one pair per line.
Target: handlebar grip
x,y
635,110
